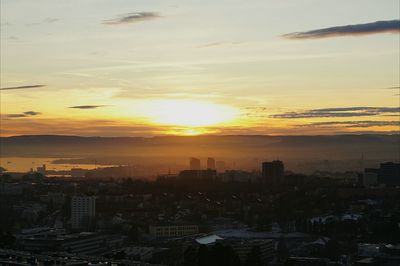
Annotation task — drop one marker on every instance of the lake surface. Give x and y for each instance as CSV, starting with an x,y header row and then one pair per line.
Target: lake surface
x,y
24,164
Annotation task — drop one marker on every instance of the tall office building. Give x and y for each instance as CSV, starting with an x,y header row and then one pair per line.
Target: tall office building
x,y
389,174
210,163
83,211
272,172
220,166
41,169
194,164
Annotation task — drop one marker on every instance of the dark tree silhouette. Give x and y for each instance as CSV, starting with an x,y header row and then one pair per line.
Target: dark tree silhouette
x,y
189,256
282,250
254,257
203,256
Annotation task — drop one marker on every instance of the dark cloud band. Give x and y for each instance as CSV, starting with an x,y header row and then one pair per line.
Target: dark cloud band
x,y
24,114
348,30
354,124
132,18
22,87
87,106
339,112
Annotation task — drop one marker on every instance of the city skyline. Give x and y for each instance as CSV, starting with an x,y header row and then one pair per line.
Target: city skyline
x,y
147,68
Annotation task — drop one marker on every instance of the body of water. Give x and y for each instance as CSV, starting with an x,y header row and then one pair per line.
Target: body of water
x,y
25,164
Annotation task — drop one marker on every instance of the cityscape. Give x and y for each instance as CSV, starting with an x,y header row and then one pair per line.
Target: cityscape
x,y
199,133
203,215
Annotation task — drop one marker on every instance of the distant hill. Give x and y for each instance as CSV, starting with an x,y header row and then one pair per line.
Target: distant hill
x,y
291,147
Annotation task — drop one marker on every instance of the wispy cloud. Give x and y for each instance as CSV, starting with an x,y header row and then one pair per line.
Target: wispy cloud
x,y
338,112
132,18
87,106
214,44
392,26
22,87
44,21
85,127
21,115
349,124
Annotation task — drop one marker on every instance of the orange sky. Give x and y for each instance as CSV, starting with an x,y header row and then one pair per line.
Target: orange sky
x,y
164,67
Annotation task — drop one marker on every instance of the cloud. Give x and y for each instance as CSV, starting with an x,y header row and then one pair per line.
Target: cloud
x,y
132,18
44,21
339,112
392,88
349,124
32,113
84,127
392,26
213,44
87,106
24,114
22,87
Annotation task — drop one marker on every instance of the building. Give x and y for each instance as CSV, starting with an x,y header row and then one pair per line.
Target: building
x,y
194,164
83,211
207,240
210,163
389,174
80,243
272,172
369,178
56,198
198,174
41,169
238,176
160,231
243,248
221,167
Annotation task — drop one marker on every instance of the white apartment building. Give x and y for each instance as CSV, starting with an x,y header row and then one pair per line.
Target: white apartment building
x,y
83,211
160,231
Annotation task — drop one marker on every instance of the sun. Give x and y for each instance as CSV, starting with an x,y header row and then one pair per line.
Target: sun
x,y
187,113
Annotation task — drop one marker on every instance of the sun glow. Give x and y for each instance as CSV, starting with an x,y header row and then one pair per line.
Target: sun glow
x,y
187,113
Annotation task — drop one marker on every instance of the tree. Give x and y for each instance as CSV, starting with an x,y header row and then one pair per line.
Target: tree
x,y
254,257
203,256
282,250
6,239
189,256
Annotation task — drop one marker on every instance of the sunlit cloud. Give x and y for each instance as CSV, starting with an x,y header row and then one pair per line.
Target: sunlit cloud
x,y
86,127
391,26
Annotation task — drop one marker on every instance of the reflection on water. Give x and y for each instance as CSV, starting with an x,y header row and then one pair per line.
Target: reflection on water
x,y
22,164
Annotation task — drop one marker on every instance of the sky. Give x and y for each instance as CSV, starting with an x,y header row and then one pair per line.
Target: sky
x,y
157,67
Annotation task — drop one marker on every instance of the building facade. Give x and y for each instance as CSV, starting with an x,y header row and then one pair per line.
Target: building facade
x,y
83,211
272,172
160,231
194,164
210,163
